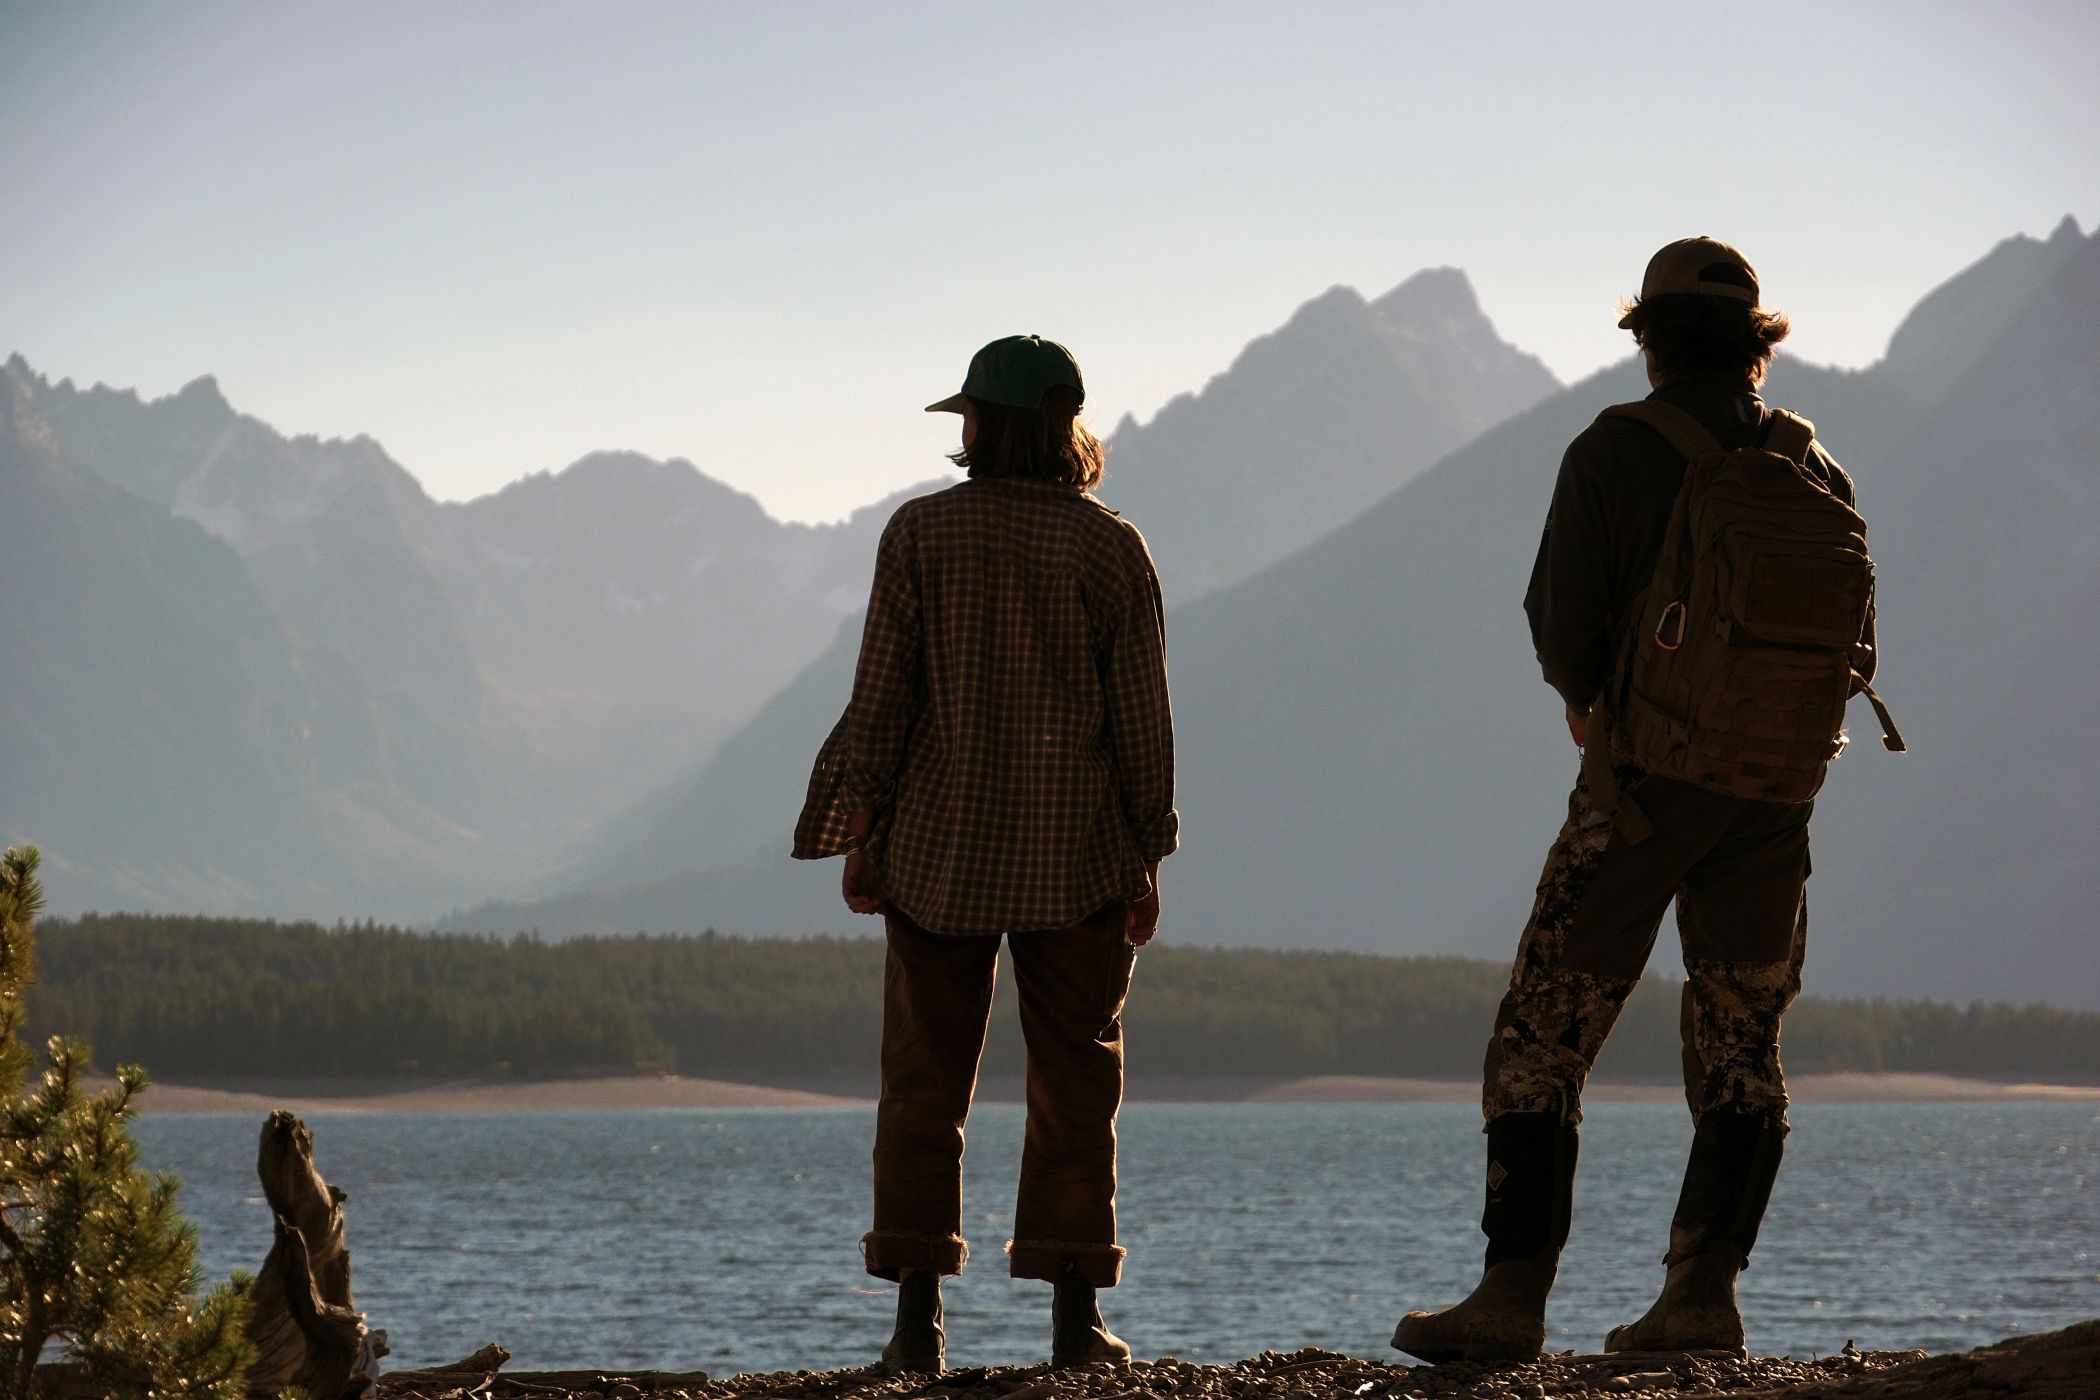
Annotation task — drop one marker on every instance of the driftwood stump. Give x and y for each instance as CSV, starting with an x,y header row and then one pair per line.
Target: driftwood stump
x,y
302,1325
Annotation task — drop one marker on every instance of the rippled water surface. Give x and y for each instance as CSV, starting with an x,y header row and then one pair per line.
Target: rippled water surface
x,y
726,1240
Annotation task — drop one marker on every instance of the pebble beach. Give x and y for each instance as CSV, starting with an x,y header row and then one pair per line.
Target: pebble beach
x,y
2062,1365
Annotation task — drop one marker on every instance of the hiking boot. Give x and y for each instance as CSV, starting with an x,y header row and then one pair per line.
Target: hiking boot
x,y
1728,1182
919,1342
1503,1319
1696,1311
1078,1336
1530,1203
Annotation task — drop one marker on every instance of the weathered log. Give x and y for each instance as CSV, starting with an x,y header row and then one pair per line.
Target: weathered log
x,y
489,1358
462,1374
303,1325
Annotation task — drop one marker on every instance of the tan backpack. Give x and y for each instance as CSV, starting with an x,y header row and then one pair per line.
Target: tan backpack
x,y
1744,647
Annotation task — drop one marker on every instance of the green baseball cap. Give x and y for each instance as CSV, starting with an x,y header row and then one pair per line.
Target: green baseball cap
x,y
1016,371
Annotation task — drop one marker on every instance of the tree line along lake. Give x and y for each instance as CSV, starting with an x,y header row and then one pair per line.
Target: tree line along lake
x,y
198,999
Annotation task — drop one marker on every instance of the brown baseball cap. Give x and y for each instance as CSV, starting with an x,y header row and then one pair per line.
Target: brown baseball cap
x,y
1699,266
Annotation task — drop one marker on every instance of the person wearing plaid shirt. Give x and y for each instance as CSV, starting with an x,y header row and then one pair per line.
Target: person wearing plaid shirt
x,y
1005,768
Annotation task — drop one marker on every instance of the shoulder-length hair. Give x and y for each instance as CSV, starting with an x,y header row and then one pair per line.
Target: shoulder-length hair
x,y
1045,443
1688,334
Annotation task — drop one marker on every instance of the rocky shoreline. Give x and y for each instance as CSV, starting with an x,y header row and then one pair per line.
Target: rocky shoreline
x,y
2061,1365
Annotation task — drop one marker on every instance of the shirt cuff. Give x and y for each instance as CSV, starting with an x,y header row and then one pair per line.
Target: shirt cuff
x,y
1158,838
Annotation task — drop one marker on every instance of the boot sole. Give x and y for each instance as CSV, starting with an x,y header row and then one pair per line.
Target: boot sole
x,y
899,1365
1710,1352
1449,1355
1618,1342
1475,1357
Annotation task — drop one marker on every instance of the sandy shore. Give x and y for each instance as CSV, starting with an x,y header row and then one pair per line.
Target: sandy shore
x,y
311,1097
308,1097
1805,1088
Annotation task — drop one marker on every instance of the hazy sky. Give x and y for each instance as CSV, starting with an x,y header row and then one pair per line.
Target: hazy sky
x,y
764,235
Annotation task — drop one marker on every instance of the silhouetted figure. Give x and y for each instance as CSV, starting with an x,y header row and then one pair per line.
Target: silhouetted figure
x,y
1005,767
1703,602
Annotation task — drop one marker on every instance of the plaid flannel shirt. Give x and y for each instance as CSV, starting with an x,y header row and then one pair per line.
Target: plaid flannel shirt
x,y
1009,727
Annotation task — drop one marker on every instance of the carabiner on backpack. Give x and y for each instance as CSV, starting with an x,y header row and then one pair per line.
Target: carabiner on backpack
x,y
1674,613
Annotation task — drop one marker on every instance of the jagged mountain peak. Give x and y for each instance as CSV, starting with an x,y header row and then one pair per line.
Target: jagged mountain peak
x,y
1339,304
1429,301
620,482
620,465
1433,294
204,391
1344,401
1960,320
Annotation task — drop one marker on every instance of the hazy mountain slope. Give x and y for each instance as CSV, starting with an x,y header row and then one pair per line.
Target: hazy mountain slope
x,y
625,613
1961,322
315,520
1369,759
1985,878
483,680
637,611
163,738
151,704
397,746
1989,536
742,802
1312,423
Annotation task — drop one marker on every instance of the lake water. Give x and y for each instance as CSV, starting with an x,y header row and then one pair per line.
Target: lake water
x,y
726,1240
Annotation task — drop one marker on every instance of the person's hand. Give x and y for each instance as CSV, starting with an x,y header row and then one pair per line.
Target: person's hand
x,y
863,895
1579,726
1143,919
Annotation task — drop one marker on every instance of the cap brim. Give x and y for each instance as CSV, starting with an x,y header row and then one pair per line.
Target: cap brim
x,y
1626,322
952,404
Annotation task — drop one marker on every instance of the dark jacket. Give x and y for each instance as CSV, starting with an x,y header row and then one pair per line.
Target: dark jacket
x,y
1618,481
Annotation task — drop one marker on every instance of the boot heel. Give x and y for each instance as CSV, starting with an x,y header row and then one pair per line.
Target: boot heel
x,y
920,1340
1078,1336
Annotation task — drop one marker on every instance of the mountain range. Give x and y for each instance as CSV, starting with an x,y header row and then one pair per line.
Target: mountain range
x,y
423,699
363,702
1368,759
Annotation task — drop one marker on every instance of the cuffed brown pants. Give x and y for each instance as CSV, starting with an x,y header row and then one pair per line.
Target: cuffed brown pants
x,y
936,1008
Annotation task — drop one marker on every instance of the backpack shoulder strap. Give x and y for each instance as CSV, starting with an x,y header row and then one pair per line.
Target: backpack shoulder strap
x,y
1789,435
1686,435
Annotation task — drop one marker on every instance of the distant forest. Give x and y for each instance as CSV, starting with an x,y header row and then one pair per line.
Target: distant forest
x,y
193,998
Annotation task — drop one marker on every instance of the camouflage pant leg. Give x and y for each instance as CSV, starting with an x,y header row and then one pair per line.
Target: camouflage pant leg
x,y
1730,1021
1553,1020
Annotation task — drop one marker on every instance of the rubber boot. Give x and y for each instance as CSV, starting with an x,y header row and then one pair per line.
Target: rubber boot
x,y
1727,1184
1530,1204
1078,1336
920,1342
1695,1312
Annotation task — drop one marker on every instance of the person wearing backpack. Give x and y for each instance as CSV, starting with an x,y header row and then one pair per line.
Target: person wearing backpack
x,y
1703,602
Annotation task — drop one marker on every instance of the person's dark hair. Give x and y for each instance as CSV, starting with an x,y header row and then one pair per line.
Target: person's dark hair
x,y
1046,443
1695,335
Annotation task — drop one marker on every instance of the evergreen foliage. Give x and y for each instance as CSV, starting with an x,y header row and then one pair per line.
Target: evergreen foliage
x,y
231,999
92,1251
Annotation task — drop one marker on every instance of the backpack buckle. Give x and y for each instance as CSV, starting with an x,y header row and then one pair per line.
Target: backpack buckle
x,y
1671,622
